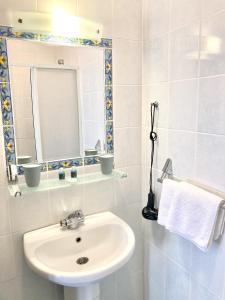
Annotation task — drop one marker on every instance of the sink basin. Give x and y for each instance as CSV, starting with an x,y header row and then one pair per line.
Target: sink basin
x,y
74,258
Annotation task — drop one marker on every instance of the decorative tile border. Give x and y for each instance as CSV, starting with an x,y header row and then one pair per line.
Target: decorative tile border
x,y
10,151
91,160
108,67
109,137
6,104
9,32
109,103
6,101
55,165
4,70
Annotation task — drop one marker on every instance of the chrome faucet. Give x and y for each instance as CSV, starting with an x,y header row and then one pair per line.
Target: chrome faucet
x,y
73,220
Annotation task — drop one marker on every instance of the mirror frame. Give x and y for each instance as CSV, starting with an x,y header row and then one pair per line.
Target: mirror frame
x,y
7,105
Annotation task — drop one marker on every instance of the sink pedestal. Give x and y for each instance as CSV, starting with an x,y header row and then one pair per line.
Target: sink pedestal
x,y
89,292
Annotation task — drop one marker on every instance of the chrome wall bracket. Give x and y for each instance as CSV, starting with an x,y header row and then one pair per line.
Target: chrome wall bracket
x,y
167,171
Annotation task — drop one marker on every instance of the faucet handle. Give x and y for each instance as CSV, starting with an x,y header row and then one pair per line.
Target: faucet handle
x,y
80,215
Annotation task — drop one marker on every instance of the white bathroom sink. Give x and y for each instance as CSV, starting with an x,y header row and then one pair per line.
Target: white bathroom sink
x,y
104,239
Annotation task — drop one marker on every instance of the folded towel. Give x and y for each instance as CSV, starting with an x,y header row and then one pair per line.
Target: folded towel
x,y
193,214
169,190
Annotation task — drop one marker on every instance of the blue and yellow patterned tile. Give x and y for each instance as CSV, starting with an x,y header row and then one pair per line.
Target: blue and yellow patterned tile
x,y
6,104
6,31
109,137
91,160
25,35
109,103
4,71
105,43
10,150
55,165
108,67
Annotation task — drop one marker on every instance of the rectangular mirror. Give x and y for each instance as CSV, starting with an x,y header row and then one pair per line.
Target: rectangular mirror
x,y
61,101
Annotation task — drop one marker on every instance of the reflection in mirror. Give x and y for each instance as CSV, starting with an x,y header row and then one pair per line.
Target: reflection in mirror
x,y
58,99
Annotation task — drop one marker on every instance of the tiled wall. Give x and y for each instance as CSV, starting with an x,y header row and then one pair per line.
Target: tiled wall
x,y
183,69
122,21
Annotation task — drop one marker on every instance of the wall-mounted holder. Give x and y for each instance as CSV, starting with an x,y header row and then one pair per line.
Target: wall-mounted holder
x,y
167,171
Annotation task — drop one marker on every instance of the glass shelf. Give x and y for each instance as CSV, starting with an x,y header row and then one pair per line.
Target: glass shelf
x,y
52,184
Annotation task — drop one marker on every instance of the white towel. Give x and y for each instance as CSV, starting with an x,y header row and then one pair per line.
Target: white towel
x,y
193,214
169,190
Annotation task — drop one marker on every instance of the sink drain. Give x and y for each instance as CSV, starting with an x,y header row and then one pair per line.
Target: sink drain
x,y
82,260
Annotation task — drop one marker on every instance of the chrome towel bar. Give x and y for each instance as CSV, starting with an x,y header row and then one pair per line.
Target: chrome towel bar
x,y
167,172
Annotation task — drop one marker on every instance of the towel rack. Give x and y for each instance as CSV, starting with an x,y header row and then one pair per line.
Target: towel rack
x,y
167,172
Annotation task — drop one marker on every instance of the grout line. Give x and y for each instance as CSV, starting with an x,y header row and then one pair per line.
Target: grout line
x,y
198,102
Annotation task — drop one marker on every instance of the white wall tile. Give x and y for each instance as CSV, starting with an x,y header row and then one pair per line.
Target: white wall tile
x,y
127,146
21,266
133,281
210,160
7,262
99,11
206,268
178,250
22,5
127,62
155,234
156,92
156,264
156,291
155,18
177,282
130,214
99,197
129,190
210,7
127,106
212,46
108,288
184,53
212,105
4,211
183,105
200,292
184,12
34,287
120,147
51,5
7,290
31,211
127,19
182,152
155,60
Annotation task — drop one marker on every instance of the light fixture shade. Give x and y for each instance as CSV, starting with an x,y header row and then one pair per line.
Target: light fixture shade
x,y
30,21
58,23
